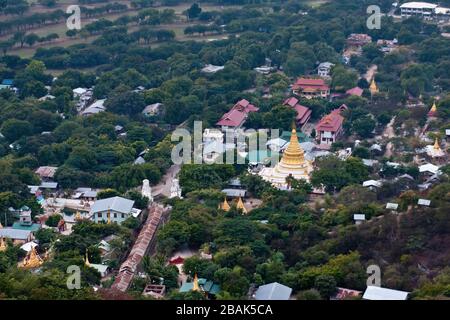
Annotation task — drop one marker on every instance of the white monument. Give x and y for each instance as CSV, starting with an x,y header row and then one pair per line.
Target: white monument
x,y
147,190
175,189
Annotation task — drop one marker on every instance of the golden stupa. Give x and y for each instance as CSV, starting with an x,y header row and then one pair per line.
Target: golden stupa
x,y
292,163
78,216
373,87
86,260
32,260
3,245
240,206
224,205
435,151
433,109
195,285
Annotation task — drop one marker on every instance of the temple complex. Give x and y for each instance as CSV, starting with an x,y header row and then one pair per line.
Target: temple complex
x,y
293,164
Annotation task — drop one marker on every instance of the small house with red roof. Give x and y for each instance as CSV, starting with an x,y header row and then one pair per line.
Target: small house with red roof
x,y
311,88
329,127
235,118
303,113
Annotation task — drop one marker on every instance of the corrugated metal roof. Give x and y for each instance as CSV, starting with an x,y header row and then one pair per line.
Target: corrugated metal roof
x,y
118,204
273,291
378,293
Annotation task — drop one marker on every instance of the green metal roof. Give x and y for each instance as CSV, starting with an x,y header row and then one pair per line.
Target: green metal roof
x,y
33,228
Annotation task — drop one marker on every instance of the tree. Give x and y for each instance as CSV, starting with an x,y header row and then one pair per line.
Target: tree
x,y
364,126
326,285
129,103
194,11
14,129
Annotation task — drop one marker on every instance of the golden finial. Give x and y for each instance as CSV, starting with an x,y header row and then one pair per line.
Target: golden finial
x,y
86,261
240,205
3,245
109,216
195,286
78,216
225,206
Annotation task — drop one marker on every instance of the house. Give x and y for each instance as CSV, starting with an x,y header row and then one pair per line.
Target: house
x,y
155,290
378,293
392,206
214,151
421,9
359,218
25,221
424,202
211,135
235,118
358,40
103,269
46,172
139,160
356,91
324,69
86,194
16,235
311,88
96,107
78,92
273,291
329,128
428,169
115,209
276,144
209,68
303,113
372,184
234,193
152,109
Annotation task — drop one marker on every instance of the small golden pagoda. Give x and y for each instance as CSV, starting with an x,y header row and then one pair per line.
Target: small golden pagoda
x,y
32,260
195,286
240,205
109,216
433,110
292,163
78,216
86,260
3,245
224,205
373,87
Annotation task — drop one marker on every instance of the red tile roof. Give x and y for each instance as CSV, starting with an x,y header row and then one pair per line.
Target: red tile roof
x,y
311,84
303,113
331,122
237,115
356,91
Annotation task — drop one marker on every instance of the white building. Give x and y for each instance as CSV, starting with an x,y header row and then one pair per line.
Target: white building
x,y
115,209
209,68
378,293
422,9
324,69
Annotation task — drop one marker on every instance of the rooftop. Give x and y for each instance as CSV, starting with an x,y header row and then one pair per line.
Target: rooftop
x,y
118,204
273,291
378,293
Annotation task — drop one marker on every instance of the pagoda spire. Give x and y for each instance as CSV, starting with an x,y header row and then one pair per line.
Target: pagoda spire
x,y
3,245
433,109
195,285
436,145
86,260
294,154
240,205
225,206
373,87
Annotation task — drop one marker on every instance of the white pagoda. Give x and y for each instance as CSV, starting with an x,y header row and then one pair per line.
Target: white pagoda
x,y
147,190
